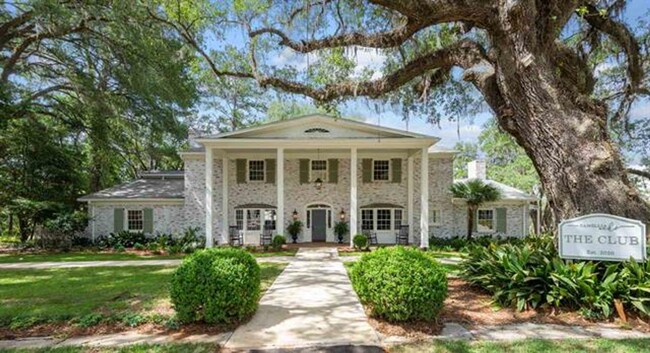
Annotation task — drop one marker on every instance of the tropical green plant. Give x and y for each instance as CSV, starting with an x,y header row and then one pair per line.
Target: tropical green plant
x,y
360,241
340,229
529,273
294,228
400,284
475,192
217,285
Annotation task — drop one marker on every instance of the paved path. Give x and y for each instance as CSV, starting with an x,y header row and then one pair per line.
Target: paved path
x,y
311,303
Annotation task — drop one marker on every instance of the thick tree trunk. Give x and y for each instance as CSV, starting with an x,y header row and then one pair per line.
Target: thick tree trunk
x,y
565,135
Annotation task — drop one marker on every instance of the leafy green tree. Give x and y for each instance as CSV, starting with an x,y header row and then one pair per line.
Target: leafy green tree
x,y
475,192
445,58
467,152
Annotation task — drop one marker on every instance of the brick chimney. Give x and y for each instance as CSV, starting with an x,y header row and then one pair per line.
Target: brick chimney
x,y
476,170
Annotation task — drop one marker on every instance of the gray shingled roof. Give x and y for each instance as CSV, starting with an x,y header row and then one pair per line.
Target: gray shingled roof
x,y
507,192
146,188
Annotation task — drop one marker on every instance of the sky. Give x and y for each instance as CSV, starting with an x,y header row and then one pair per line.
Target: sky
x,y
463,129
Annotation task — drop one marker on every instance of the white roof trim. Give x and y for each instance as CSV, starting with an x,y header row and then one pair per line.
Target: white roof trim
x,y
316,118
134,200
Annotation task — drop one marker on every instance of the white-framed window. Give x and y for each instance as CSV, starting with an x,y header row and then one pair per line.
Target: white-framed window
x,y
381,219
368,219
485,222
381,170
384,219
135,220
252,219
434,216
397,219
239,219
318,169
256,170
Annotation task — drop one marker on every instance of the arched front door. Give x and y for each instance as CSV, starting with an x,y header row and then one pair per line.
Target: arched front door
x,y
317,216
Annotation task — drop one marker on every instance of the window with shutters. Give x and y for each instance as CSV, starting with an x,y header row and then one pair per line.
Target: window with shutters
x,y
318,169
135,220
256,170
380,170
485,222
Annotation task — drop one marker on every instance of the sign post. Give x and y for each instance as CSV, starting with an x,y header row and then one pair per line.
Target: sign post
x,y
602,237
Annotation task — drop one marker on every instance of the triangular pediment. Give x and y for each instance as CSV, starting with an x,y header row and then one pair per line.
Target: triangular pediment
x,y
317,127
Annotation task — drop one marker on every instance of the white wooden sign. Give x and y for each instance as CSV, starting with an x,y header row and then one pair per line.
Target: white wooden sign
x,y
602,237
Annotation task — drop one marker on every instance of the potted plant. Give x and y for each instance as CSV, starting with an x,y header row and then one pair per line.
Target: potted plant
x,y
340,228
294,228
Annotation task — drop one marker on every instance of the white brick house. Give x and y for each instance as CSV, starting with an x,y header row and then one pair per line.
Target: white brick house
x,y
301,169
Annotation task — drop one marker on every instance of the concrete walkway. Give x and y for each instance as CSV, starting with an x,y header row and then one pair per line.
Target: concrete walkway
x,y
311,303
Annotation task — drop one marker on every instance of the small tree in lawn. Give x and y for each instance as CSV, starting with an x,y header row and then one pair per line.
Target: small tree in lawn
x,y
475,192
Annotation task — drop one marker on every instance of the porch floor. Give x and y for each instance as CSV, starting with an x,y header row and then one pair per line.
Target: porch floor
x,y
311,303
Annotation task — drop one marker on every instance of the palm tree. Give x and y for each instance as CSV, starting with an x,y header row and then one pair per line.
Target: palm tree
x,y
475,192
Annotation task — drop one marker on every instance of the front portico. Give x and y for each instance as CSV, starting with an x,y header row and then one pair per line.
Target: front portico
x,y
362,168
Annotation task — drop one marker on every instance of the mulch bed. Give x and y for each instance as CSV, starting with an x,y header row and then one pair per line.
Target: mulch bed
x,y
471,306
71,330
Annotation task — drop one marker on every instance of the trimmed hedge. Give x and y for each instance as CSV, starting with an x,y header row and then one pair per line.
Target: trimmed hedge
x,y
400,284
216,286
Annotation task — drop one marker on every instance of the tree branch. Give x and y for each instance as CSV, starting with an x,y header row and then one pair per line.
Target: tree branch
x,y
388,39
620,34
641,173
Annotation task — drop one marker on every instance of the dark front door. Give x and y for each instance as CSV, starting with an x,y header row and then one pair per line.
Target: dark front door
x,y
318,225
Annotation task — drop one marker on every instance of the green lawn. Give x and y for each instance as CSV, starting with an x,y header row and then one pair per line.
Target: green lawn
x,y
87,296
109,256
529,346
140,348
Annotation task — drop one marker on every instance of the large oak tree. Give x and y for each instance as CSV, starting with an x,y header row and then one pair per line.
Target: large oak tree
x,y
533,63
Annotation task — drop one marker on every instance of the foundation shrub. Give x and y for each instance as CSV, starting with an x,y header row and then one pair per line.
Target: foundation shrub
x,y
216,286
400,284
360,241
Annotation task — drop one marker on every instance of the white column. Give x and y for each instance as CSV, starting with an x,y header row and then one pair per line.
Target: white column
x,y
410,187
224,199
279,173
424,200
353,194
209,171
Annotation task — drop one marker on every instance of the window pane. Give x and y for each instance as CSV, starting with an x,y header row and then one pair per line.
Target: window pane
x,y
434,217
485,222
380,170
319,170
253,220
239,219
135,220
398,219
269,219
329,219
256,170
308,219
383,220
366,219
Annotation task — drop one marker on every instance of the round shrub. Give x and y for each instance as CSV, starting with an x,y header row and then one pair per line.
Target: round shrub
x,y
400,284
218,285
278,241
360,241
